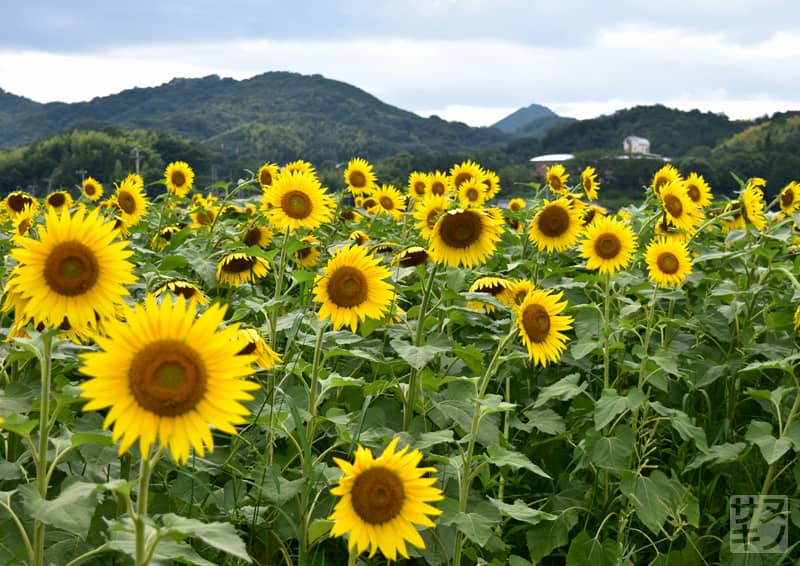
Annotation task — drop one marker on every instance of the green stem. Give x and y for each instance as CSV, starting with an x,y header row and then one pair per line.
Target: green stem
x,y
99,550
647,333
312,391
466,479
352,556
44,440
607,333
21,528
140,521
506,433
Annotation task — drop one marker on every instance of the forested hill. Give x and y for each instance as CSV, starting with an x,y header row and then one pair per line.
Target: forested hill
x,y
278,116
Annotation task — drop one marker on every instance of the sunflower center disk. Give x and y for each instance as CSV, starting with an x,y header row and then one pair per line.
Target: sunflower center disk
x,y
472,195
303,253
358,180
387,203
536,322
296,204
461,178
437,188
419,188
673,205
553,221
377,495
265,178
253,237
668,263
347,287
607,246
787,198
167,378
461,230
178,179
555,182
249,349
71,269
693,192
238,265
57,200
18,202
126,202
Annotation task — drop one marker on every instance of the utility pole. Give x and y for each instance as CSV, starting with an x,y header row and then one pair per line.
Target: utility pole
x,y
136,152
49,183
82,173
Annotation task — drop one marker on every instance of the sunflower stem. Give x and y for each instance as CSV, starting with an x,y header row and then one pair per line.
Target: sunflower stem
x,y
45,363
352,556
140,521
647,333
607,333
413,381
312,391
477,414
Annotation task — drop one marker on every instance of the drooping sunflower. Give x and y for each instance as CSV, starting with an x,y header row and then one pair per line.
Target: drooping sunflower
x,y
417,184
309,255
541,325
254,345
664,176
164,236
438,184
259,236
382,499
353,287
557,177
203,216
411,257
23,222
389,201
591,213
491,184
608,245
753,202
92,189
359,237
736,220
182,288
168,376
351,216
679,208
59,200
494,286
516,204
238,268
471,193
131,200
74,270
465,171
515,295
427,213
297,200
589,183
16,201
556,226
790,198
698,190
267,174
179,177
668,261
464,236
359,176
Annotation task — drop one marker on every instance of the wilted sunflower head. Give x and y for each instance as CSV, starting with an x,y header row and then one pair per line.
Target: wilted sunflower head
x,y
411,257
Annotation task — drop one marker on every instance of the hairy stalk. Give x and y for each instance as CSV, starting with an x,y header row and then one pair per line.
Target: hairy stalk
x,y
143,554
647,334
606,332
45,363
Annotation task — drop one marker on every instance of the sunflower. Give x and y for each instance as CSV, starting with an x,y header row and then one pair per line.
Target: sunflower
x,y
254,345
359,176
92,189
698,190
352,287
753,202
168,374
359,237
15,202
351,216
297,200
591,213
557,177
58,200
179,178
382,499
491,184
418,184
516,204
736,220
182,288
493,286
23,222
438,184
411,257
797,318
471,193
678,207
203,216
259,236
608,245
589,183
668,261
164,236
299,166
131,200
465,171
427,213
267,174
389,201
541,325
790,198
664,176
516,292
465,236
73,271
238,268
556,227
309,255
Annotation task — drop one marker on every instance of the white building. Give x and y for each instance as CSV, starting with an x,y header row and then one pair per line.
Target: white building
x,y
542,162
635,144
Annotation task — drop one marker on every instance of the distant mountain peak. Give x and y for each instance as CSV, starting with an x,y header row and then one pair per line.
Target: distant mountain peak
x,y
523,116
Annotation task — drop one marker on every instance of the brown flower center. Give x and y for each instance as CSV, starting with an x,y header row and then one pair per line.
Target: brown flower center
x,y
184,290
377,495
668,263
787,198
607,246
386,202
432,217
23,227
357,179
413,257
265,178
168,378
462,177
437,188
204,217
57,200
536,322
126,202
249,349
89,189
673,205
693,192
460,230
178,179
238,264
252,237
473,195
71,269
555,183
369,203
419,188
303,253
296,204
347,287
17,202
553,221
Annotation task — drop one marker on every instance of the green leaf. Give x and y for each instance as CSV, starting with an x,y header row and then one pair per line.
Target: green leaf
x,y
72,510
546,421
652,496
318,528
99,438
717,454
19,424
611,452
499,456
428,439
610,405
417,356
475,527
667,361
222,536
277,489
472,356
587,550
545,537
584,347
563,390
521,512
772,449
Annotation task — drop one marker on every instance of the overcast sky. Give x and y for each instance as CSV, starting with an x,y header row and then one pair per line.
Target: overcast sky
x,y
469,60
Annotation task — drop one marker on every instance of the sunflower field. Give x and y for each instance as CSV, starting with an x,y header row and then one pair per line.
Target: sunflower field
x,y
277,372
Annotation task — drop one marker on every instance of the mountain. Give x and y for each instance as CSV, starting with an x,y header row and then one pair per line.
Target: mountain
x,y
533,120
276,116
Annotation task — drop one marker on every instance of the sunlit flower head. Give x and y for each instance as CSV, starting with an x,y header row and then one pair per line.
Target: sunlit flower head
x,y
308,255
471,193
491,184
465,237
698,190
668,261
608,245
465,171
389,201
427,212
182,288
255,235
664,176
753,202
131,199
542,325
267,174
516,204
790,198
589,183
239,268
297,200
439,184
734,220
16,201
359,176
681,211
92,189
179,178
556,226
59,200
417,184
557,177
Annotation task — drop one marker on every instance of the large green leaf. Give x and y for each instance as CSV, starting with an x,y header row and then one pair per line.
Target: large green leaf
x,y
499,456
586,550
772,449
222,536
520,511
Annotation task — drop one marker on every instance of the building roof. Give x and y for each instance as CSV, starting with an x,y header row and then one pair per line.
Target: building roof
x,y
552,157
